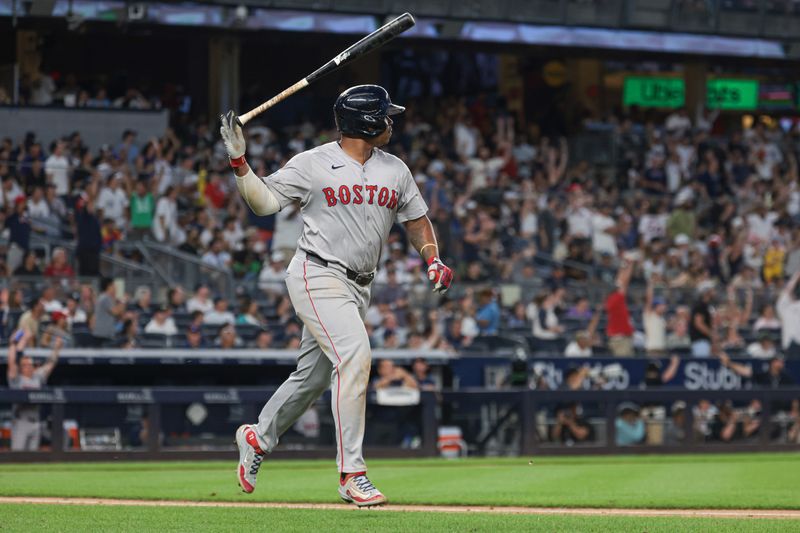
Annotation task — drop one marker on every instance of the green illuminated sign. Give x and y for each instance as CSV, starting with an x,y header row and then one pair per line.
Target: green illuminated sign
x,y
732,94
654,92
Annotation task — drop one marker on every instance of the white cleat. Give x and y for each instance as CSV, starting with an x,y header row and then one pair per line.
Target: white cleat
x,y
356,488
250,457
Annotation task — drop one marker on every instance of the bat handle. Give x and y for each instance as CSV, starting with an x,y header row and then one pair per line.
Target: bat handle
x,y
244,119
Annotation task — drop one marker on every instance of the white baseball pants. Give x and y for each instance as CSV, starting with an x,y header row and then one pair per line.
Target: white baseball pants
x,y
334,352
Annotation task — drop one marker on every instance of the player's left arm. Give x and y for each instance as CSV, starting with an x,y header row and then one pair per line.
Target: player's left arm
x,y
254,191
420,234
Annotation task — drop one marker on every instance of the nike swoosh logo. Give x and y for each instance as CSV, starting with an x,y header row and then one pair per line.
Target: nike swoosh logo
x,y
334,167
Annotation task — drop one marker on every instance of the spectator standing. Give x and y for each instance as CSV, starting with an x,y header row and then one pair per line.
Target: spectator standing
x,y
57,169
619,329
19,234
165,225
655,324
57,207
701,325
23,375
142,211
113,201
90,239
127,149
30,320
789,312
604,231
37,205
107,311
682,220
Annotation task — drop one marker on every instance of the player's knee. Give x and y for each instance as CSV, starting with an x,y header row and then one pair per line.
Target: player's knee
x,y
319,382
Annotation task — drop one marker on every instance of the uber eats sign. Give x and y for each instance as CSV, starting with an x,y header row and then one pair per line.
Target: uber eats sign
x,y
732,94
668,93
654,92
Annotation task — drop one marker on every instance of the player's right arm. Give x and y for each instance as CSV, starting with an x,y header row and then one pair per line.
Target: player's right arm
x,y
254,191
47,368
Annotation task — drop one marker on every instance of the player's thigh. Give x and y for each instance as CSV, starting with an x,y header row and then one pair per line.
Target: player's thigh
x,y
326,305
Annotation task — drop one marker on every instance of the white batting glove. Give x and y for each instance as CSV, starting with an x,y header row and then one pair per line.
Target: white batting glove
x,y
232,135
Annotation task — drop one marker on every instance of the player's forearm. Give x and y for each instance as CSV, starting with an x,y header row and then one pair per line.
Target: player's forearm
x,y
242,170
421,236
255,192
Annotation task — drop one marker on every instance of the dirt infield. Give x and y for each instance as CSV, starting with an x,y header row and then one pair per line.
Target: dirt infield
x,y
698,513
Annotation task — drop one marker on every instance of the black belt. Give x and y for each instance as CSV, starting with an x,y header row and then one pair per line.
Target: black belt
x,y
352,275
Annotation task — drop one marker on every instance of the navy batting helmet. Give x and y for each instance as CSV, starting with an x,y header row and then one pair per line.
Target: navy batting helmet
x,y
361,111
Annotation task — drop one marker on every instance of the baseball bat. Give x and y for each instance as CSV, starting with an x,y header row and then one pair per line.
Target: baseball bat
x,y
374,40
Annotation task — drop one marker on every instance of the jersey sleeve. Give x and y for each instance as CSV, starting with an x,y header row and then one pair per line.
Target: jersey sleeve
x,y
41,374
292,182
411,205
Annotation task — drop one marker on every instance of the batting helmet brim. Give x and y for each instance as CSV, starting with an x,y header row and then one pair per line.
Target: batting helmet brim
x,y
395,109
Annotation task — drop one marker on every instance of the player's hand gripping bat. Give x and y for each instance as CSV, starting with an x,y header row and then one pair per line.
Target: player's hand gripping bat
x,y
374,40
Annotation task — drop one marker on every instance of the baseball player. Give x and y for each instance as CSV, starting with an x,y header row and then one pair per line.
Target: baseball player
x,y
350,193
25,425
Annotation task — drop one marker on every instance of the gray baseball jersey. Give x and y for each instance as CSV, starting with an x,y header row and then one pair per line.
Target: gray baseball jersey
x,y
348,208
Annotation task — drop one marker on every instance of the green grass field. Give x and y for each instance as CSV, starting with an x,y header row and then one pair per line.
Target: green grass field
x,y
79,518
735,481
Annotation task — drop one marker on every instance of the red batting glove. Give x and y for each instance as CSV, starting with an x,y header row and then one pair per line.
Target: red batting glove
x,y
439,274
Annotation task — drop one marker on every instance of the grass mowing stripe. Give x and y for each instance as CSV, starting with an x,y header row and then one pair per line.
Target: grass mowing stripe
x,y
431,462
74,518
729,481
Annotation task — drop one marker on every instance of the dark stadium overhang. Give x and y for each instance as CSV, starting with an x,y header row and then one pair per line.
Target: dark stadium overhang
x,y
209,15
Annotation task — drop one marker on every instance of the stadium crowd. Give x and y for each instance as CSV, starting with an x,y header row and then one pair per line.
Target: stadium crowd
x,y
694,235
